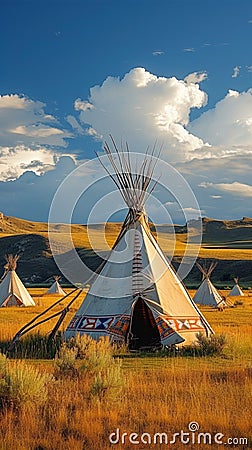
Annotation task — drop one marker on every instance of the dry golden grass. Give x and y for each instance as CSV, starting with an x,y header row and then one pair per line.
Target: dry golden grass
x,y
160,395
162,398
95,238
167,243
12,319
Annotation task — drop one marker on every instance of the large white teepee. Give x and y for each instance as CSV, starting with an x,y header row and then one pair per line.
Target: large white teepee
x,y
56,288
12,290
207,294
236,290
137,297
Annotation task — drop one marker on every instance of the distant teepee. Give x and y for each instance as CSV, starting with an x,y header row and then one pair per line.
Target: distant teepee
x,y
12,290
207,294
56,288
236,291
137,298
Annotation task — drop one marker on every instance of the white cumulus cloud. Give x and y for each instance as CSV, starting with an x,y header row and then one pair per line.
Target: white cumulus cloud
x,y
30,195
229,123
143,108
196,77
14,161
235,188
80,105
29,137
24,121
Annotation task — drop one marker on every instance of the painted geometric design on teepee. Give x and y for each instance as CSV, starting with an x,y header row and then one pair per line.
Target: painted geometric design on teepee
x,y
12,290
120,325
95,323
137,286
186,324
165,330
73,325
114,324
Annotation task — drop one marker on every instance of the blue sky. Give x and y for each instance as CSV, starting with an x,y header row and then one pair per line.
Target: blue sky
x,y
179,72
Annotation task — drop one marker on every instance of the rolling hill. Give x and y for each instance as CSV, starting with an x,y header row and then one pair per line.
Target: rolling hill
x,y
228,242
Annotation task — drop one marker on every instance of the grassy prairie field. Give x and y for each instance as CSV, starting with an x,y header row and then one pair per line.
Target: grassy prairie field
x,y
158,394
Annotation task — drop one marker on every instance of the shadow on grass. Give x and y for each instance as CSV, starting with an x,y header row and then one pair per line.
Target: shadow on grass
x,y
33,346
38,346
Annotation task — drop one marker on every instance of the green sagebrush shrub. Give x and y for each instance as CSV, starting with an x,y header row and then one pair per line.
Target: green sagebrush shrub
x,y
212,345
96,364
21,383
107,376
65,361
108,382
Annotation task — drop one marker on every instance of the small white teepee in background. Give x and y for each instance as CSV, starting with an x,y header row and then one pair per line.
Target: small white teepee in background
x,y
207,294
236,291
12,290
56,288
136,297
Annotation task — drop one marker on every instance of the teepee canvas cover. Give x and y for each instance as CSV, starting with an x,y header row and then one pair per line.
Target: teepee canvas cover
x,y
236,290
137,297
12,290
56,288
207,294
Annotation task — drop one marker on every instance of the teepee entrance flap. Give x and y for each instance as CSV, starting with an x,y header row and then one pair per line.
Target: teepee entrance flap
x,y
143,330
